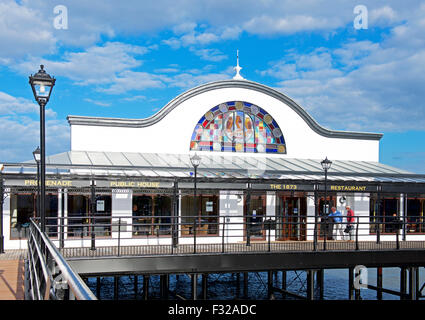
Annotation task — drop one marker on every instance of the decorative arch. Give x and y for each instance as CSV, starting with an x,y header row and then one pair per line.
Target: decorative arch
x,y
238,126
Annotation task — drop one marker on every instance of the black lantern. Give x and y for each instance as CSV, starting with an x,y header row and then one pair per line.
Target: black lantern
x,y
42,85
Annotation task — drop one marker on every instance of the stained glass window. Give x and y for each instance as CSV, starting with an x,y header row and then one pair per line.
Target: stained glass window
x,y
237,126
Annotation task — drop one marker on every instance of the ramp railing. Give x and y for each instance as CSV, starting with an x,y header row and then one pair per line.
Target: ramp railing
x,y
48,275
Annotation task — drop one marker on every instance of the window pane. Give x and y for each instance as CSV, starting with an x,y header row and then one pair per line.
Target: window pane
x,y
142,215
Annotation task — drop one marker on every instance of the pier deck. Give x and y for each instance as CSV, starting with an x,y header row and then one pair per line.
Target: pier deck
x,y
239,257
12,275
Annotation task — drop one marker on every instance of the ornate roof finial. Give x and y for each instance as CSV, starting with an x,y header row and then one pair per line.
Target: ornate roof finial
x,y
237,68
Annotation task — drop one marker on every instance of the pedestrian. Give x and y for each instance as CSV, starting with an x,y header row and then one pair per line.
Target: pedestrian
x,y
394,224
337,218
350,222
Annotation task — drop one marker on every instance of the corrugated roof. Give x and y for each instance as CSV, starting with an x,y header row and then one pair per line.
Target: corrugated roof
x,y
214,165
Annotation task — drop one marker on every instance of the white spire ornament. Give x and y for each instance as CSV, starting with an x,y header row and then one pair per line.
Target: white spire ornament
x,y
237,68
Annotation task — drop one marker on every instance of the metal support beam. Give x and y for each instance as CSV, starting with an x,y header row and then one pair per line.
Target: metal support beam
x,y
245,285
403,283
194,278
116,287
320,279
98,285
350,283
164,284
136,286
145,287
379,283
270,284
310,284
205,286
413,283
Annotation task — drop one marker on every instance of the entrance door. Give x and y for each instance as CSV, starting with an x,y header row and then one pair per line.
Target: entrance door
x,y
255,217
291,224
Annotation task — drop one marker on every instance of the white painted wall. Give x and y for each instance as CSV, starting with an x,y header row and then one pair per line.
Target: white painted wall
x,y
173,133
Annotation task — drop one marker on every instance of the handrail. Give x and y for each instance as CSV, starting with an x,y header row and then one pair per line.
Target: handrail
x,y
233,233
79,289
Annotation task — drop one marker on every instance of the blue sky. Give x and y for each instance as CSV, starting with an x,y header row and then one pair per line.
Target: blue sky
x,y
129,58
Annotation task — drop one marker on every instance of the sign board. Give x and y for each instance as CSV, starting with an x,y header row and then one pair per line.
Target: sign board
x,y
282,187
209,206
100,205
348,188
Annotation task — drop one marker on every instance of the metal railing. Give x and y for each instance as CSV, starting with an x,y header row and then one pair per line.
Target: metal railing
x,y
48,275
155,235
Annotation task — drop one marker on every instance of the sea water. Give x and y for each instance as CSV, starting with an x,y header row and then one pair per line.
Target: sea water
x,y
227,287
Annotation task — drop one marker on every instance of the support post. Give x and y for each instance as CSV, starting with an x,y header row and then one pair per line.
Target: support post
x,y
316,214
310,284
379,283
247,219
245,285
116,289
164,286
145,287
403,283
413,283
136,286
320,282
283,285
205,286
350,283
1,211
43,167
194,278
98,284
93,212
174,225
270,284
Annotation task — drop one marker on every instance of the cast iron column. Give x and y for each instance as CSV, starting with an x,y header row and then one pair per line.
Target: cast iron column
x,y
43,166
1,212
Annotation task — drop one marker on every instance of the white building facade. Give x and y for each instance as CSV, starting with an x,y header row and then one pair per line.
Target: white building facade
x,y
261,161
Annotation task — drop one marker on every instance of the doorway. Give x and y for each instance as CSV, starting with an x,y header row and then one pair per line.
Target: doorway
x,y
254,218
291,218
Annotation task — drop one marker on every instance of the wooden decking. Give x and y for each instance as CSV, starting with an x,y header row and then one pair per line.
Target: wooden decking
x,y
12,275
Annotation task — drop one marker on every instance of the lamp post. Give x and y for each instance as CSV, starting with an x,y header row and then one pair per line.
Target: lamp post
x,y
42,85
93,211
1,209
326,165
37,156
196,161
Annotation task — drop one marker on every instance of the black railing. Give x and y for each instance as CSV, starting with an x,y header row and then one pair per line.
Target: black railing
x,y
190,234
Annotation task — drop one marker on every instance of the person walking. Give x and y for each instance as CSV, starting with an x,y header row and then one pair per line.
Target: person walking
x,y
350,222
337,217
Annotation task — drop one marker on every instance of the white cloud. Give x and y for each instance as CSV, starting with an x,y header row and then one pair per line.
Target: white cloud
x,y
97,102
133,80
10,105
20,135
96,65
209,54
22,31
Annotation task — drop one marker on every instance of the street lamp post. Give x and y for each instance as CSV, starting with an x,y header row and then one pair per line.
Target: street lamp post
x,y
326,165
37,156
42,85
1,209
196,161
